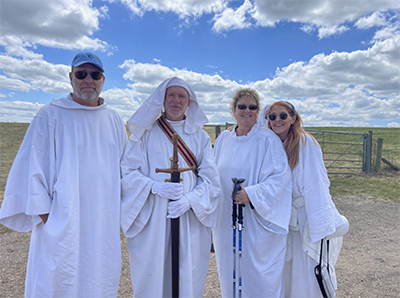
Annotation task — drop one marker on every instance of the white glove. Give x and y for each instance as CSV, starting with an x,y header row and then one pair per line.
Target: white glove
x,y
178,207
171,191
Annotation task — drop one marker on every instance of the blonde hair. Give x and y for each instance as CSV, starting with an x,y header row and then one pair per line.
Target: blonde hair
x,y
295,133
244,92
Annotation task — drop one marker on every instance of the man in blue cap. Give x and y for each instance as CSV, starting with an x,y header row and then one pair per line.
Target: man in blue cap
x,y
64,186
87,78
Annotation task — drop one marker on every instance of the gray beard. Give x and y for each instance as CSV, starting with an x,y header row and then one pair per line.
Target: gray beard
x,y
87,96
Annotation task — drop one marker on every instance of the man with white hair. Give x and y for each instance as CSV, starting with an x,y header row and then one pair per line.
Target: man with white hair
x,y
64,186
149,204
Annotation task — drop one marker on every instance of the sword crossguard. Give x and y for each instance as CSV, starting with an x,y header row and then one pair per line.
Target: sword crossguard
x,y
170,180
174,161
177,170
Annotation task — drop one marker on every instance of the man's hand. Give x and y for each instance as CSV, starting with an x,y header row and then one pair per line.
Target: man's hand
x,y
178,207
44,217
171,191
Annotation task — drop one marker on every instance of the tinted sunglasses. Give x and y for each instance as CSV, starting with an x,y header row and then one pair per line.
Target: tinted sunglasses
x,y
282,115
251,107
81,74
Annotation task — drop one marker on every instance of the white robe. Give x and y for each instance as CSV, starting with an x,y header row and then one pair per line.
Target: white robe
x,y
314,217
259,158
69,166
144,215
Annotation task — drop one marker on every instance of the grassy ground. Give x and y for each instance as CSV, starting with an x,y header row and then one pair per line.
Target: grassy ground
x,y
368,262
11,136
383,185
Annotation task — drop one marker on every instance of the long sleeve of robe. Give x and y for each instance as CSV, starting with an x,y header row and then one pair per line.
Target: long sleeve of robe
x,y
314,217
259,158
144,215
68,166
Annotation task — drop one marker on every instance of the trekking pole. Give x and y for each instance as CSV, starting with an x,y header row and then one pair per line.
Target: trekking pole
x,y
237,185
234,216
240,228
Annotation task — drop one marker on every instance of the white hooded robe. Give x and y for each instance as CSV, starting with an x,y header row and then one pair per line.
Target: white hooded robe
x,y
144,215
69,166
259,158
314,217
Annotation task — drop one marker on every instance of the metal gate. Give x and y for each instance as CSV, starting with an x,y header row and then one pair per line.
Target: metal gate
x,y
344,152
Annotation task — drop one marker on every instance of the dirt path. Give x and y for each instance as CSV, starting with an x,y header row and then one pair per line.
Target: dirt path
x,y
368,267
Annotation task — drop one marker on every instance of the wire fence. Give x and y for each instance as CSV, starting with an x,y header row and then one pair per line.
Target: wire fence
x,y
343,152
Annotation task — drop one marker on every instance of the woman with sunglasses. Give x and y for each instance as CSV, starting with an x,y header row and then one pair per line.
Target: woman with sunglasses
x,y
314,215
256,154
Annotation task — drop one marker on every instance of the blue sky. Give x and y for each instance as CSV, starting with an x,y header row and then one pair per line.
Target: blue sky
x,y
337,61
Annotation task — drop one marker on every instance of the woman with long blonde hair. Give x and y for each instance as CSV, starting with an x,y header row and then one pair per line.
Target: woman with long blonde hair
x,y
314,215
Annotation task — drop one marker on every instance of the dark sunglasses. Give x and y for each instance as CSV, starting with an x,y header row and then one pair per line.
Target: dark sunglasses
x,y
282,115
81,74
251,107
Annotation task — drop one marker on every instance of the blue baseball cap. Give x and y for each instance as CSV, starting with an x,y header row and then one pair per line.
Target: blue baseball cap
x,y
87,57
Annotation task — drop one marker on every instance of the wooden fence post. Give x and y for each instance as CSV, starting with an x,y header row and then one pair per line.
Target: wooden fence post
x,y
378,155
368,152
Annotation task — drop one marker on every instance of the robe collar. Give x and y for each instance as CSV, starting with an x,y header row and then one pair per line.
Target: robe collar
x,y
69,103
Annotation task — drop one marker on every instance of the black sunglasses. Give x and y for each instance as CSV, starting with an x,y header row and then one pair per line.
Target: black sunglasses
x,y
81,74
251,107
282,115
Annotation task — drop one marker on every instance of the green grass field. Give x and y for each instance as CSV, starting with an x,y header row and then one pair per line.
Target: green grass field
x,y
382,185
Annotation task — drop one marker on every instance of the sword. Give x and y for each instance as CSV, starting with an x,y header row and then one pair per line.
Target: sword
x,y
175,172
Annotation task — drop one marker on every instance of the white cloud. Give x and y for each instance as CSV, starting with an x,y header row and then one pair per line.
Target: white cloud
x,y
321,13
378,18
104,13
307,28
17,47
36,74
335,89
328,17
231,19
329,89
332,89
325,89
375,69
67,24
14,84
71,24
387,33
324,32
394,124
18,111
213,92
122,100
183,8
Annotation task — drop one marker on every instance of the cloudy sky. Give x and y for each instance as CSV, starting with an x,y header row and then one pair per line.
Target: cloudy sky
x,y
337,61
